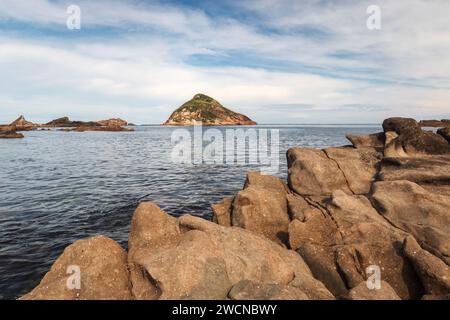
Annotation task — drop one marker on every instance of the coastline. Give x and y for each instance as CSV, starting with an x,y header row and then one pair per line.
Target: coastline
x,y
341,211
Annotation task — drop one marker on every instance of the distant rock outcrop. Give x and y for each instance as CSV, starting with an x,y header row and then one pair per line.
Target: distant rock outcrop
x,y
10,133
435,123
23,125
65,122
115,122
208,111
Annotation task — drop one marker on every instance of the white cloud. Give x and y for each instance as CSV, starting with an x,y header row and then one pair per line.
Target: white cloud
x,y
142,75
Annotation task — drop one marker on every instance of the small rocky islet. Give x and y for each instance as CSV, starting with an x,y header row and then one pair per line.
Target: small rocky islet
x,y
208,111
383,201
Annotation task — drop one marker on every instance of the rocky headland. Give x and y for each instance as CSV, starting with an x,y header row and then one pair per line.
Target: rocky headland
x,y
383,202
210,112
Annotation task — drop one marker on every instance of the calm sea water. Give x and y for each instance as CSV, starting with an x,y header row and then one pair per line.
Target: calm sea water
x,y
57,187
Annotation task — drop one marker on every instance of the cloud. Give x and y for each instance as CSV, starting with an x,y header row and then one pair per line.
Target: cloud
x,y
136,59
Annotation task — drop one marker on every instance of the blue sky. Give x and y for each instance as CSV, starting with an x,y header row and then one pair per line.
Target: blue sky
x,y
277,61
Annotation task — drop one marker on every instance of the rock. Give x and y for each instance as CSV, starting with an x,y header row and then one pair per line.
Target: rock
x,y
202,108
65,122
434,123
207,260
21,124
115,122
433,272
260,207
102,128
362,292
411,140
445,132
359,166
222,212
151,230
297,206
10,135
423,170
250,290
401,125
413,209
312,173
376,140
103,273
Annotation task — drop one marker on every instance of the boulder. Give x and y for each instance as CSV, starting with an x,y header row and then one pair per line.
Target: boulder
x,y
445,132
359,166
362,292
151,230
207,260
102,266
260,207
376,140
433,272
21,124
312,173
401,125
411,208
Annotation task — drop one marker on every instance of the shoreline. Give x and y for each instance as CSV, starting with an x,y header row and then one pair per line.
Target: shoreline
x,y
338,206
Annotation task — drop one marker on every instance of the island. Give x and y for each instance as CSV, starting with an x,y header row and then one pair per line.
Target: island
x,y
208,111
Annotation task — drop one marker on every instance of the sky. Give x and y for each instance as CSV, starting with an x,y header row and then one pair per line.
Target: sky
x,y
276,61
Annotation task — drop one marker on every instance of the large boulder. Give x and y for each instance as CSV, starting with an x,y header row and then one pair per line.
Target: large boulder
x,y
359,166
433,272
415,210
151,230
312,173
261,207
103,273
401,125
207,260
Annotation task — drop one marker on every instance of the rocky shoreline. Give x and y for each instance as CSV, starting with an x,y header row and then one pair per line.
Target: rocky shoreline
x,y
382,203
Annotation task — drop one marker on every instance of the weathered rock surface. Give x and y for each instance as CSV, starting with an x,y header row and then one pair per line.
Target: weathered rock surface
x,y
433,272
435,123
362,292
102,269
250,290
313,173
262,207
417,211
359,166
